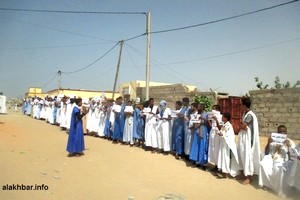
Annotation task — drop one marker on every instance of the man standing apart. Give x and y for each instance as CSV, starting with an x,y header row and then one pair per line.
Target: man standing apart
x,y
75,144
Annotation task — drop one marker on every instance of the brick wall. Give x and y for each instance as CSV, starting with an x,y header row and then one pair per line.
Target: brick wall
x,y
274,107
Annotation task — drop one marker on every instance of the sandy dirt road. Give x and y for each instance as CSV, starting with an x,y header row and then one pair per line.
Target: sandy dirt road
x,y
32,152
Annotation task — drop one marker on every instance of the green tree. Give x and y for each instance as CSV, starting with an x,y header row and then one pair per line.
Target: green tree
x,y
277,82
260,85
142,99
279,85
296,84
206,101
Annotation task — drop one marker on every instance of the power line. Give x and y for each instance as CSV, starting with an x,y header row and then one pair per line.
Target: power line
x,y
144,13
91,80
50,80
40,77
55,47
74,12
234,52
158,64
219,55
223,19
92,62
132,38
56,29
139,52
135,66
155,32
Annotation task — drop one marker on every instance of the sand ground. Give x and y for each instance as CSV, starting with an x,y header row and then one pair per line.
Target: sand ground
x,y
32,152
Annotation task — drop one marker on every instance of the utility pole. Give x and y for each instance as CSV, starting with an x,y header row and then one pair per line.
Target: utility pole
x,y
148,31
59,80
118,67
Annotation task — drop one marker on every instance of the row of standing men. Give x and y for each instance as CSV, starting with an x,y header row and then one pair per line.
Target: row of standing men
x,y
188,130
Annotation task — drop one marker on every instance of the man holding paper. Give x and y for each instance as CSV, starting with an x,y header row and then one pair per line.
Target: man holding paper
x,y
118,128
128,127
279,144
215,119
178,130
150,125
163,128
275,164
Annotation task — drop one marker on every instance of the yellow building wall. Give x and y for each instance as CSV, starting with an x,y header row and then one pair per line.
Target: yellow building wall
x,y
35,92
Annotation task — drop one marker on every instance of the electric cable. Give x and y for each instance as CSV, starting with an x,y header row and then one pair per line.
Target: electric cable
x,y
223,19
89,65
50,80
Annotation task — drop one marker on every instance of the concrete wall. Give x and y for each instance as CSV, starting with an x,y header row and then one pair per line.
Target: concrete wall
x,y
131,87
172,93
275,107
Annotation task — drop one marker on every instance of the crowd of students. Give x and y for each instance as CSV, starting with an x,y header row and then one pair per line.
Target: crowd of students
x,y
188,132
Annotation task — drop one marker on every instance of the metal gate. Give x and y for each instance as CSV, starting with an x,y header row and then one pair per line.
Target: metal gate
x,y
233,106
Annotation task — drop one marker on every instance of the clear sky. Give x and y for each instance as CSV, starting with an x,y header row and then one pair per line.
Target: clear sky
x,y
223,56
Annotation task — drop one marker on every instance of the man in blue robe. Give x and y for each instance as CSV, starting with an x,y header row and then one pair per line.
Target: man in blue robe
x,y
138,125
199,148
117,135
186,111
75,144
55,108
28,107
122,118
107,128
178,131
24,107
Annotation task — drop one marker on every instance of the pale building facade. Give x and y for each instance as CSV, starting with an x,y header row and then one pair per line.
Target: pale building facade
x,y
35,92
129,90
84,94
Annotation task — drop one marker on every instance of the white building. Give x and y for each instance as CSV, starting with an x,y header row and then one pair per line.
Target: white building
x,y
3,104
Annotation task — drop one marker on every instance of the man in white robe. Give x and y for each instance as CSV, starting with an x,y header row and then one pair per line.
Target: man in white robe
x,y
227,157
275,165
91,116
96,118
63,113
214,138
294,174
102,119
150,125
42,109
112,116
71,104
163,128
193,112
248,144
35,108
